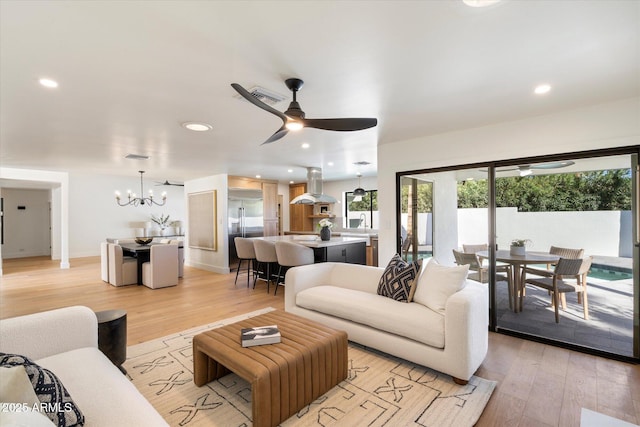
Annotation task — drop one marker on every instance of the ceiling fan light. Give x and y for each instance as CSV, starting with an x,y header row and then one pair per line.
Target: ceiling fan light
x,y
293,125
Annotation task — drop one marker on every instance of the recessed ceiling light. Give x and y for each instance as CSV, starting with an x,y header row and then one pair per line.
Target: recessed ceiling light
x,y
542,89
197,127
290,170
258,176
290,182
305,145
330,164
480,3
48,83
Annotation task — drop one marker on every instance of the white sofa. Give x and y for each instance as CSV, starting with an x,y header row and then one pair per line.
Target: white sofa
x,y
65,341
344,296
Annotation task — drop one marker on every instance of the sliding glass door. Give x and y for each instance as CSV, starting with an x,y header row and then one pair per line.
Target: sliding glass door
x,y
573,208
580,206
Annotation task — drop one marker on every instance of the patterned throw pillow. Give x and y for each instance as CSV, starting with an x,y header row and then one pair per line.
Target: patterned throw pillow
x,y
55,400
398,279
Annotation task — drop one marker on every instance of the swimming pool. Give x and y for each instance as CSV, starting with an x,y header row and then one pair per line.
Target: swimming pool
x,y
605,272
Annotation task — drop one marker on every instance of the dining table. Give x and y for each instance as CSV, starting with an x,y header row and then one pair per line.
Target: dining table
x,y
518,263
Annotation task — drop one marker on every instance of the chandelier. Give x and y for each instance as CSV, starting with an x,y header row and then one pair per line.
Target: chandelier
x,y
134,200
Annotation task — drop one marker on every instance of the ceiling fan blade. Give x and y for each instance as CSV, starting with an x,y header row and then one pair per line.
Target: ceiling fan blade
x,y
166,182
343,125
247,95
276,136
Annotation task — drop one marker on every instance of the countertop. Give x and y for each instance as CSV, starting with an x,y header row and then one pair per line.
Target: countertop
x,y
316,243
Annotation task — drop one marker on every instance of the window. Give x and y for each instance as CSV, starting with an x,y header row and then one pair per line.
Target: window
x,y
362,214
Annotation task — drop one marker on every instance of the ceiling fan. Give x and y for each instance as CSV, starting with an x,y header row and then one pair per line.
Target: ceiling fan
x,y
294,118
166,182
526,170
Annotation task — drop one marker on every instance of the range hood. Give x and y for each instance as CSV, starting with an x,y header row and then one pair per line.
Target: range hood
x,y
314,190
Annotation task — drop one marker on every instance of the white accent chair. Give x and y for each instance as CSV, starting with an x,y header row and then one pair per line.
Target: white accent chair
x,y
180,244
104,261
162,269
122,270
291,255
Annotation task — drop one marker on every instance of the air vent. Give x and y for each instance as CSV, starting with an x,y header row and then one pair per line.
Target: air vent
x,y
362,163
264,95
136,157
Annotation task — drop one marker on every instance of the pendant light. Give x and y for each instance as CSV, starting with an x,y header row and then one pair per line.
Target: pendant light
x,y
359,192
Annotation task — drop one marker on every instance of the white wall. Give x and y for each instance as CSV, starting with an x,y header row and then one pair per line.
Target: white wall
x,y
94,214
85,203
218,260
605,233
613,124
26,231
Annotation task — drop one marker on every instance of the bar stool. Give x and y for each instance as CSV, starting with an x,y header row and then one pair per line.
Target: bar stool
x,y
246,252
266,258
291,255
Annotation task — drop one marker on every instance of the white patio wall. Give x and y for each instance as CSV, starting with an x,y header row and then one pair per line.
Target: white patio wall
x,y
605,233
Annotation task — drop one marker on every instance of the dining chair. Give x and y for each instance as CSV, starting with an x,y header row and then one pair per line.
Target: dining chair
x,y
162,269
180,244
406,245
289,255
104,261
122,270
476,264
560,252
558,286
246,252
266,258
472,249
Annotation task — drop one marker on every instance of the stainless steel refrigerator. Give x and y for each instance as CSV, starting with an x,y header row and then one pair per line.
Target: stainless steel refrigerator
x,y
245,216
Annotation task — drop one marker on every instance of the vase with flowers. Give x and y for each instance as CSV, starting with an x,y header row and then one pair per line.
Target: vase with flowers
x,y
161,221
325,229
518,247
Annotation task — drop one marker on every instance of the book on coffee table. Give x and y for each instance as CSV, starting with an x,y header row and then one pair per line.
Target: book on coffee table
x,y
260,335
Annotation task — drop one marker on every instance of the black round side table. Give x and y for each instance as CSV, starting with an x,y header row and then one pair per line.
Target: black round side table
x,y
112,335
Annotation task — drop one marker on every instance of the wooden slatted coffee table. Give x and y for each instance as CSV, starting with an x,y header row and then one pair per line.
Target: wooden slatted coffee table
x,y
284,377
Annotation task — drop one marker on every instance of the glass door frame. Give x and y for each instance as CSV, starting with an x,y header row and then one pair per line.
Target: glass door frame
x,y
633,151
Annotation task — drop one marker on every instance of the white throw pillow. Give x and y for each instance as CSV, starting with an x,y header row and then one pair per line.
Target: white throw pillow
x,y
15,386
437,283
25,418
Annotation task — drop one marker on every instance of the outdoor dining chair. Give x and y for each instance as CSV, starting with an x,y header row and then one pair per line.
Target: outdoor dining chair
x,y
559,287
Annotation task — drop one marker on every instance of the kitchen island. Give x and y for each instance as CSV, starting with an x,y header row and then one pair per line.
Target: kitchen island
x,y
351,250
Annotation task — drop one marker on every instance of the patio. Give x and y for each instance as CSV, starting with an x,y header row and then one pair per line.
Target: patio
x,y
610,324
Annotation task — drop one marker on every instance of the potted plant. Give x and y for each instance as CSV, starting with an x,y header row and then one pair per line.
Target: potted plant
x,y
325,229
162,221
518,246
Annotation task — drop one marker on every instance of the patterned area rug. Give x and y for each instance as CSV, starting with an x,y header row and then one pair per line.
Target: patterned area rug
x,y
380,390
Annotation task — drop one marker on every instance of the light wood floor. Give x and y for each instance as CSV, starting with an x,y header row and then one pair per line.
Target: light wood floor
x,y
538,385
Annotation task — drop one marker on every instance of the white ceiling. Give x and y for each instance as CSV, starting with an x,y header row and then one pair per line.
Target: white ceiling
x,y
131,72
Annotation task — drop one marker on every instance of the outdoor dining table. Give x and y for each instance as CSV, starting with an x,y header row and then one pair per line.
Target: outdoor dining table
x,y
518,262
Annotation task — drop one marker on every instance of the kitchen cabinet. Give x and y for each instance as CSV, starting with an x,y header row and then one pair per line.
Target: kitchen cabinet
x,y
352,253
270,212
299,215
